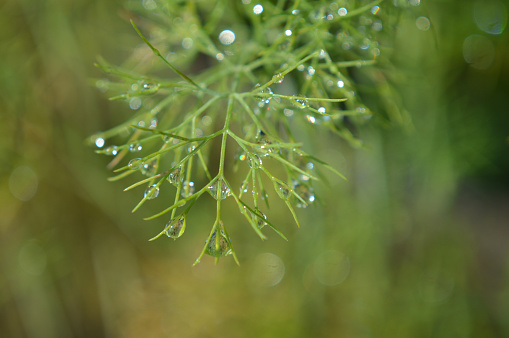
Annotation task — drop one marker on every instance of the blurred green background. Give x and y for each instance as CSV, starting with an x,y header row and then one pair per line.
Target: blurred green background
x,y
415,244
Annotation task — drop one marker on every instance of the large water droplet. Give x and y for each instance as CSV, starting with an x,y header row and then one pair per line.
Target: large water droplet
x,y
176,228
149,168
227,37
175,177
258,9
187,189
305,193
152,192
135,163
214,189
135,147
218,245
254,161
342,11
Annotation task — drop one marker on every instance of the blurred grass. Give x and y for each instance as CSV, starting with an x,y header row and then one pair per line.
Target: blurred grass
x,y
414,244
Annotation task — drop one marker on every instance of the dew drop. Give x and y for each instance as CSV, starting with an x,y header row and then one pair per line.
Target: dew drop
x,y
258,9
135,147
288,112
264,141
311,118
288,32
214,189
342,11
99,142
301,68
148,86
135,103
149,168
135,163
153,123
218,245
282,191
112,150
261,222
305,193
227,37
278,78
244,187
220,56
176,227
295,11
423,23
187,189
321,110
152,192
254,162
176,176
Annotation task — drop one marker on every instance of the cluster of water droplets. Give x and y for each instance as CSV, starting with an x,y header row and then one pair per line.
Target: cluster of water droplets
x,y
264,97
176,227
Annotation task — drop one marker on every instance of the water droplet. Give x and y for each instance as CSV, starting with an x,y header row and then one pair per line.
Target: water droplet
x,y
187,189
261,222
301,100
342,11
288,112
311,71
218,245
244,187
206,120
214,192
147,86
375,10
187,43
288,32
423,23
278,78
149,4
295,11
220,56
153,123
176,176
301,68
113,150
321,110
99,142
227,37
176,227
152,192
490,16
149,168
305,193
264,96
258,9
322,54
264,141
479,51
135,147
135,103
254,161
191,148
282,191
135,163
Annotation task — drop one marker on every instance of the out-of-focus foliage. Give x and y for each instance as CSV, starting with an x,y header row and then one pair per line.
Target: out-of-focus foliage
x,y
414,244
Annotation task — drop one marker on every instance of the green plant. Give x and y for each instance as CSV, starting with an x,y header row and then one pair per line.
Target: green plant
x,y
248,73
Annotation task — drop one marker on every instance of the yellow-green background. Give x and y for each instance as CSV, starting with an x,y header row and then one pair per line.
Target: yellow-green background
x,y
421,227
